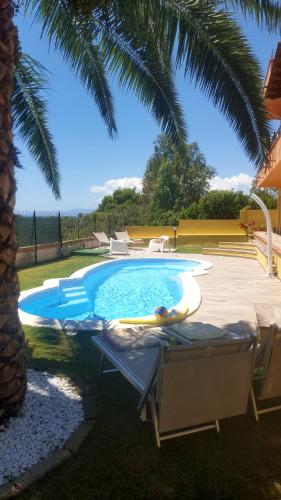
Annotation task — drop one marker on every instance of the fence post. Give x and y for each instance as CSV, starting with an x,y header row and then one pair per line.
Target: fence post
x,y
35,236
78,227
60,236
108,222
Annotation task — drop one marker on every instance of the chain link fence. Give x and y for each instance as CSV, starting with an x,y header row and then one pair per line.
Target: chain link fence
x,y
37,228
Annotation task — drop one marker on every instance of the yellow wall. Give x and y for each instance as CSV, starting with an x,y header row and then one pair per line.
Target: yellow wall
x,y
193,231
149,231
206,239
217,227
205,230
256,216
261,258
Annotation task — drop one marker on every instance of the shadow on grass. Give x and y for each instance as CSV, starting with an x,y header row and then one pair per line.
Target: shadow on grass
x,y
56,352
43,263
120,460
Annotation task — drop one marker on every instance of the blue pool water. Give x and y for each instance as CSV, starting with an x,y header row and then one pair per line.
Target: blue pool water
x,y
121,288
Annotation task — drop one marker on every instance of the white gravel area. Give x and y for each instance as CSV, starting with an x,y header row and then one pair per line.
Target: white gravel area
x,y
52,411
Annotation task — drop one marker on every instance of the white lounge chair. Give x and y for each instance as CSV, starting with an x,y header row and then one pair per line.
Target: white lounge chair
x,y
159,244
123,236
102,239
118,246
184,384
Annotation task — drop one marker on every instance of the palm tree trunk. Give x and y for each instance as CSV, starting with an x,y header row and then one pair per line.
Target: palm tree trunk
x,y
12,345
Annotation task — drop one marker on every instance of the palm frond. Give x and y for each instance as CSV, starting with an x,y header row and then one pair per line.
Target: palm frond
x,y
30,118
71,37
213,52
117,27
265,12
138,57
137,41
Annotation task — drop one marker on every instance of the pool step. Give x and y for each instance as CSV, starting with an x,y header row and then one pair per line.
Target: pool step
x,y
230,252
74,293
71,290
75,302
237,245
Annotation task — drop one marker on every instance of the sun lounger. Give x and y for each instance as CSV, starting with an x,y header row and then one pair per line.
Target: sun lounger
x,y
267,375
123,236
102,239
159,244
184,383
118,246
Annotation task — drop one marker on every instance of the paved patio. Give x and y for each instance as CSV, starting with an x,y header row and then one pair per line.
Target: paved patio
x,y
229,290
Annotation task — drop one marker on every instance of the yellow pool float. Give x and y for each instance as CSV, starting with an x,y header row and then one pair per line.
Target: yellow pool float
x,y
173,316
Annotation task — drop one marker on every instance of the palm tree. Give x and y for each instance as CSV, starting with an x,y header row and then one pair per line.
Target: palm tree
x,y
141,43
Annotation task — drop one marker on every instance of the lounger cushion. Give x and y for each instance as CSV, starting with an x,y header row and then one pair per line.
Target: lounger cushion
x,y
196,330
136,338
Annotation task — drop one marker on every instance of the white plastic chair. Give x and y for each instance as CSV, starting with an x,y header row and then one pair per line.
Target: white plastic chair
x,y
118,246
159,244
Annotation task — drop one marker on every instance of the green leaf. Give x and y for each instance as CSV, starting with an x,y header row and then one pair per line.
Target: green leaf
x,y
151,80
30,118
214,53
71,37
130,49
137,41
265,12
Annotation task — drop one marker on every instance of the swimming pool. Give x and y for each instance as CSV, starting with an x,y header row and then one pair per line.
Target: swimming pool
x,y
124,288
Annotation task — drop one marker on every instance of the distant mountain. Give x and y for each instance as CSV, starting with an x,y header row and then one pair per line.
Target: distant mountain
x,y
76,211
72,212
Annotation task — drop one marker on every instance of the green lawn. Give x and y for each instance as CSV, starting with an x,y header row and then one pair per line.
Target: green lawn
x,y
34,276
119,460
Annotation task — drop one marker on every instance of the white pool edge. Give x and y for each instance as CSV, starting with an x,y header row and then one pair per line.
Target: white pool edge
x,y
191,298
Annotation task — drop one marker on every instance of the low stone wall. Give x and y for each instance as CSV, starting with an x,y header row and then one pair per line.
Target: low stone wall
x,y
52,251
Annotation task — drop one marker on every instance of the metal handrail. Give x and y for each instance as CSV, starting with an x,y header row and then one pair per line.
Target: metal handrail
x,y
268,230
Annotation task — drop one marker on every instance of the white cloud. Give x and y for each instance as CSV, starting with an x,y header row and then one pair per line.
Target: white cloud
x,y
112,184
240,182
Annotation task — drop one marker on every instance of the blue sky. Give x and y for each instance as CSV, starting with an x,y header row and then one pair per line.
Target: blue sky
x,y
93,165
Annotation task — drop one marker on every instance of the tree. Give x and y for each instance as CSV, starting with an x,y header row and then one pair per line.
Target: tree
x,y
125,201
121,198
135,41
268,196
222,204
173,180
193,211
